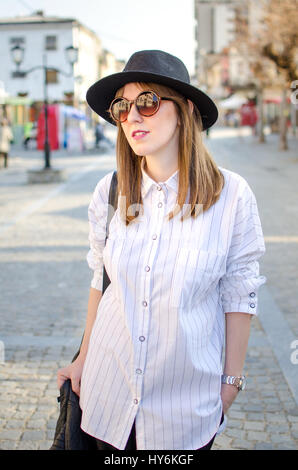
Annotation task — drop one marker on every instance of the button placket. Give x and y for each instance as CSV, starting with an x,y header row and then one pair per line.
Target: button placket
x,y
153,246
157,220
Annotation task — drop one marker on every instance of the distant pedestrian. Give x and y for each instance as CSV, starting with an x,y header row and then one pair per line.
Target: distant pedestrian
x,y
182,256
27,134
6,137
30,133
100,136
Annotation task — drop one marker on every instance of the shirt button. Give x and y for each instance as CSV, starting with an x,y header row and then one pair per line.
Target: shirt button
x,y
252,305
142,338
147,268
252,294
159,204
136,401
144,303
154,237
139,371
158,188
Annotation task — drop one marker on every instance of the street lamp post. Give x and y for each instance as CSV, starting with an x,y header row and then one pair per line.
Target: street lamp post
x,y
47,149
17,53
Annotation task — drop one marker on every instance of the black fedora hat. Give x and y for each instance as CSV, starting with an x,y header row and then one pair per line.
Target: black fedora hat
x,y
151,66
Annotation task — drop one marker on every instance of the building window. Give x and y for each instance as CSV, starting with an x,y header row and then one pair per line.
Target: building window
x,y
17,41
52,76
51,43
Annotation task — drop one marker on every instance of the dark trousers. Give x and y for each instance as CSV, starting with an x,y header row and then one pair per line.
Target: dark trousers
x,y
5,156
132,445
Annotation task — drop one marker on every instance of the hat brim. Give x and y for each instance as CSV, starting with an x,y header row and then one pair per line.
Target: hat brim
x,y
100,95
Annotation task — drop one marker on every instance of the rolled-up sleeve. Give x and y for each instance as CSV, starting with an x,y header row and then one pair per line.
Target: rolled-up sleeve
x,y
239,285
97,215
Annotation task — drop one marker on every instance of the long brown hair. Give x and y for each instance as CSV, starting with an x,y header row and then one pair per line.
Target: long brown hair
x,y
198,172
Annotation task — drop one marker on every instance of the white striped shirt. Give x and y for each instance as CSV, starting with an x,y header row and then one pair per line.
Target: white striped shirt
x,y
156,348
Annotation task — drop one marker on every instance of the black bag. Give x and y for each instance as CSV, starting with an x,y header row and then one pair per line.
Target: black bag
x,y
68,433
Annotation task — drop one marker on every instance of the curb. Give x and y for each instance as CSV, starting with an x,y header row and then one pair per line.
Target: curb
x,y
280,337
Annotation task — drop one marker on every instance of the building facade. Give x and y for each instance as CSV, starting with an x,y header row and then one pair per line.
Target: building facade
x,y
220,67
225,63
110,64
44,40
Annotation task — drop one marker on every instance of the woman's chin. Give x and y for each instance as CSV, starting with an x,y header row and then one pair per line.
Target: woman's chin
x,y
138,153
141,150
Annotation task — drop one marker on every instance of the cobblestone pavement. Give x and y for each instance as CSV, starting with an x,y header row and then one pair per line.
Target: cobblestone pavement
x,y
45,282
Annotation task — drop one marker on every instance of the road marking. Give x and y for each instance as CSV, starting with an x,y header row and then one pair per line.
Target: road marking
x,y
41,202
281,239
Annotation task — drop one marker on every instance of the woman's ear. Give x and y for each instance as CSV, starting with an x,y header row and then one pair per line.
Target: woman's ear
x,y
190,105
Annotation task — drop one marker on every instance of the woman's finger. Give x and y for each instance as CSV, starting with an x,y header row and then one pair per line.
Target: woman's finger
x,y
62,376
75,385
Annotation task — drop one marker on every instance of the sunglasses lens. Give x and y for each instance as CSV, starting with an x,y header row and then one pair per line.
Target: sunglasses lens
x,y
120,109
147,103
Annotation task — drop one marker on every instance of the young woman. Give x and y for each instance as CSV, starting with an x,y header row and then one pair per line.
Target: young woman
x,y
6,137
182,258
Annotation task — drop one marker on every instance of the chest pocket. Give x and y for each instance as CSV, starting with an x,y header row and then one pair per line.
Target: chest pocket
x,y
196,273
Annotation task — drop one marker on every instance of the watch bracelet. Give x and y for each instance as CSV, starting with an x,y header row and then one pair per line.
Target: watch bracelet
x,y
237,381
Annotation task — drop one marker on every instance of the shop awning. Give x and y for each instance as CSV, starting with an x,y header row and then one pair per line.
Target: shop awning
x,y
273,96
233,102
75,113
18,100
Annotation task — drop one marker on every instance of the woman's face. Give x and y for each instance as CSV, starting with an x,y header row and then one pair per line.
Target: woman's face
x,y
161,130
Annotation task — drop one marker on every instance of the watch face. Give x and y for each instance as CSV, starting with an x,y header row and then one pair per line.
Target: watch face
x,y
242,383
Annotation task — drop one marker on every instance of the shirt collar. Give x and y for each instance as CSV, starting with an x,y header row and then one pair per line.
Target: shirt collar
x,y
147,182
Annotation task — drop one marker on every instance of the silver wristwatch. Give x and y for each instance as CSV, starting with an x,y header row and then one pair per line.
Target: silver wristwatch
x,y
238,382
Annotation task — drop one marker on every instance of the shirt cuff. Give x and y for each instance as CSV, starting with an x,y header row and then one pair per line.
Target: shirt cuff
x,y
97,279
242,296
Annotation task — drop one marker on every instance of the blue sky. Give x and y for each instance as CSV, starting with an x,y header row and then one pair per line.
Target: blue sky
x,y
125,26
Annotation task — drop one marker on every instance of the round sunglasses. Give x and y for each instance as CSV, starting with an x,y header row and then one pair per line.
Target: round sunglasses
x,y
147,104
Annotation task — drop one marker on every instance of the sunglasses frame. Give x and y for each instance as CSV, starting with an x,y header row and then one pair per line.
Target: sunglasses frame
x,y
131,102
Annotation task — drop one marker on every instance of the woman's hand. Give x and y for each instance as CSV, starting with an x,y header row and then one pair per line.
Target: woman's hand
x,y
72,372
228,395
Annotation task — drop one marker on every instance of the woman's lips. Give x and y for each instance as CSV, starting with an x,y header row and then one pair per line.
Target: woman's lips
x,y
137,135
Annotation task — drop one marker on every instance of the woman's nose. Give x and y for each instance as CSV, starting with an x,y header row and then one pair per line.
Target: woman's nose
x,y
134,115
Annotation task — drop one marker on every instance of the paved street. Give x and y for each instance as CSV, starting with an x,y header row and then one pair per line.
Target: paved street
x,y
45,282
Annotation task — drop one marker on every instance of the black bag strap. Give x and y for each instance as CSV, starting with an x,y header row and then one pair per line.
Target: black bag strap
x,y
113,203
